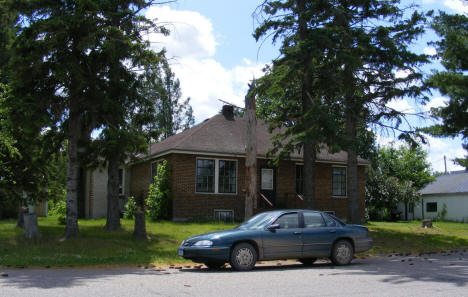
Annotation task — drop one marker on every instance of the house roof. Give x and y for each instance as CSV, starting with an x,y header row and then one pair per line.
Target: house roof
x,y
455,182
220,135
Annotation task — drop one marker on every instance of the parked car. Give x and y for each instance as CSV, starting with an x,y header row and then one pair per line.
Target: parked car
x,y
281,234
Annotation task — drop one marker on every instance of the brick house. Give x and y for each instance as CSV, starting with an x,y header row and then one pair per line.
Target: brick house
x,y
208,172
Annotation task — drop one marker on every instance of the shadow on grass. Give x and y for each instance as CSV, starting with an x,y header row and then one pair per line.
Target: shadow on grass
x,y
391,241
93,246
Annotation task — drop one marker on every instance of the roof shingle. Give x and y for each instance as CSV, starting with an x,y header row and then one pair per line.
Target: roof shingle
x,y
456,182
223,136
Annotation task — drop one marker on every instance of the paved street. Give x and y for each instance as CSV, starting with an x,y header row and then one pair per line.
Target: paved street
x,y
443,274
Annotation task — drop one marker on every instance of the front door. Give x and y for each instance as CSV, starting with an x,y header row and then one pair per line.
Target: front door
x,y
285,242
267,187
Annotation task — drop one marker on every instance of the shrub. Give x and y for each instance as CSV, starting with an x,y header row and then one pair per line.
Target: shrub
x,y
159,201
60,210
130,208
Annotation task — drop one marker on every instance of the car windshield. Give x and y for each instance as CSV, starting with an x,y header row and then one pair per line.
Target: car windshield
x,y
258,222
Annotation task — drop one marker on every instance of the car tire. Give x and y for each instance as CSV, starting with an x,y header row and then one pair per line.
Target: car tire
x,y
308,261
342,252
214,265
243,257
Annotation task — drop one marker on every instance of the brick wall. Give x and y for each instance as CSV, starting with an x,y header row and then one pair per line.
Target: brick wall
x,y
188,204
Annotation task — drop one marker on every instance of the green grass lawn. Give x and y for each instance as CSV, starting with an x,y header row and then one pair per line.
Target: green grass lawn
x,y
409,237
95,247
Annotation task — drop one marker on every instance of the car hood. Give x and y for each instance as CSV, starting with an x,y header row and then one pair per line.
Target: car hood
x,y
213,235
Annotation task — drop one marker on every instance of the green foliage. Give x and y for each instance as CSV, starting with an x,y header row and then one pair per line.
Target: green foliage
x,y
452,50
59,209
442,214
130,208
396,176
162,88
159,201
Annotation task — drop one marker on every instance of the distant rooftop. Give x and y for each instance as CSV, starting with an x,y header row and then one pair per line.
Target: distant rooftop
x,y
453,183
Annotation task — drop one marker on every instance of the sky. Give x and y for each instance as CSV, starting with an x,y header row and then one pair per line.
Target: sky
x,y
213,54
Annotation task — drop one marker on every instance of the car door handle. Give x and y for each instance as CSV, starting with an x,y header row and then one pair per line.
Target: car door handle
x,y
332,231
297,233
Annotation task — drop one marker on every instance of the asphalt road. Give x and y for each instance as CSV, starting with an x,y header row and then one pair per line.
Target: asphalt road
x,y
442,274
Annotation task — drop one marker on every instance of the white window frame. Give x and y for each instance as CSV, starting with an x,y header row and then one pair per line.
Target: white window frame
x,y
346,181
151,169
272,179
216,176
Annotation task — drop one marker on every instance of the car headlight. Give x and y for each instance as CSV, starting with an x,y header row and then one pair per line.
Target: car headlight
x,y
203,243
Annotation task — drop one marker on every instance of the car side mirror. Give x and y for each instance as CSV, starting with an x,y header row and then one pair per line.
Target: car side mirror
x,y
273,227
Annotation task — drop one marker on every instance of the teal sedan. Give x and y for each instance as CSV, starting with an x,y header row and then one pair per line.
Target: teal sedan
x,y
281,234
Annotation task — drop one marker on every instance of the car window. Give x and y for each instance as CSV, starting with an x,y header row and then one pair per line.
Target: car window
x,y
288,221
313,219
329,222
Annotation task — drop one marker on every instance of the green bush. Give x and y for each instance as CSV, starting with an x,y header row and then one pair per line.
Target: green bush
x,y
130,208
60,210
159,201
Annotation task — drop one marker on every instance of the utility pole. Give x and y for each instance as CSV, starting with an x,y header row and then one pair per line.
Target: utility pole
x,y
250,153
445,164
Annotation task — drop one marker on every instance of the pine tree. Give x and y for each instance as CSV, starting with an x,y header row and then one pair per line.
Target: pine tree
x,y
346,55
66,62
452,49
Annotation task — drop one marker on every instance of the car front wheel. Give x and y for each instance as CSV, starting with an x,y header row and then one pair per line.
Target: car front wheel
x,y
342,253
243,257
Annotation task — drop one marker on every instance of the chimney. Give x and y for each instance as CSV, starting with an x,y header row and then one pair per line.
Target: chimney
x,y
228,112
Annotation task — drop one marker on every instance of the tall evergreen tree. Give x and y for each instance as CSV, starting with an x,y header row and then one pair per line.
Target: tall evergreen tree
x,y
359,46
65,67
173,115
452,50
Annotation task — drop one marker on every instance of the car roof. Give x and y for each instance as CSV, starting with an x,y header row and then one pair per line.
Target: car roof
x,y
281,211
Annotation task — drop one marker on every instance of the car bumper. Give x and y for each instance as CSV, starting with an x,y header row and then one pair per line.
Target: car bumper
x,y
204,254
364,245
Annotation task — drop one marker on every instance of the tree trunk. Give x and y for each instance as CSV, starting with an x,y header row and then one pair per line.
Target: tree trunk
x,y
309,175
354,214
251,155
309,147
31,230
139,231
73,169
20,221
113,214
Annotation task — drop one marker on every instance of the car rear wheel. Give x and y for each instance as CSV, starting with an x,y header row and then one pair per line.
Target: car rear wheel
x,y
307,261
214,265
243,257
342,252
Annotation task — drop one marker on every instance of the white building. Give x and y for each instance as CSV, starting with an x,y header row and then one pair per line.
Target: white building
x,y
449,192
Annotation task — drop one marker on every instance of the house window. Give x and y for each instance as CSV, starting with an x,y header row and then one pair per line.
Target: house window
x,y
154,169
339,181
267,179
224,215
205,175
431,207
227,180
121,181
299,179
216,176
